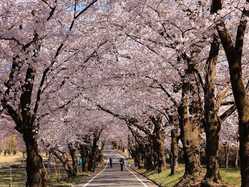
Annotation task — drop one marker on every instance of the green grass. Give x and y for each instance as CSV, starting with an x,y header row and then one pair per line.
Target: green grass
x,y
17,179
163,178
55,179
56,175
130,161
231,177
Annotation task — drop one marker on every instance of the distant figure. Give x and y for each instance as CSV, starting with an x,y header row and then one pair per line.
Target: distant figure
x,y
110,162
121,164
80,162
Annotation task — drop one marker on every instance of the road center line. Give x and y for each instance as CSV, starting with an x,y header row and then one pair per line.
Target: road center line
x,y
95,176
145,185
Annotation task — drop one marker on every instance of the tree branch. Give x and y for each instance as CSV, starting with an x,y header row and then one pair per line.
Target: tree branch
x,y
130,121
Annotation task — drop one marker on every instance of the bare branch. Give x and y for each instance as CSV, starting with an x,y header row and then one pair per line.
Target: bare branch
x,y
164,90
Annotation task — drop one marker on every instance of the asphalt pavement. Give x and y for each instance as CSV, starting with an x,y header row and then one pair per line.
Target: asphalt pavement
x,y
114,177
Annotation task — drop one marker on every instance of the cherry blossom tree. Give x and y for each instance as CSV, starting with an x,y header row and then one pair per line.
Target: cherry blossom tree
x,y
75,70
34,44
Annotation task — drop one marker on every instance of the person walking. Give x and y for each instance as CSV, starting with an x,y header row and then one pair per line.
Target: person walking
x,y
80,162
121,164
110,162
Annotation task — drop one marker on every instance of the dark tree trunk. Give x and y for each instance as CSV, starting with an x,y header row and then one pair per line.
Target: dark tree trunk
x,y
22,114
135,150
138,162
227,153
138,155
93,154
92,158
161,153
90,163
237,158
244,149
190,117
234,58
157,139
72,152
174,151
61,156
148,156
148,164
190,139
83,155
211,123
36,175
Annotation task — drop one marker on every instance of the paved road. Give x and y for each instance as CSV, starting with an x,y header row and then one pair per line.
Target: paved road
x,y
113,177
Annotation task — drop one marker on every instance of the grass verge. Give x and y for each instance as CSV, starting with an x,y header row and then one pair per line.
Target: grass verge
x,y
16,177
231,177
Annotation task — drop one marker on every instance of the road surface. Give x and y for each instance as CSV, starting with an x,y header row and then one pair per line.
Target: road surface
x,y
113,177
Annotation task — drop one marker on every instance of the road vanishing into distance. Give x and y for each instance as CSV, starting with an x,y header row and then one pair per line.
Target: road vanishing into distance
x,y
114,177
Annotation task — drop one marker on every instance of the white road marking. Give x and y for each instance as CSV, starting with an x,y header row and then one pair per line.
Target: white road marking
x,y
95,176
145,185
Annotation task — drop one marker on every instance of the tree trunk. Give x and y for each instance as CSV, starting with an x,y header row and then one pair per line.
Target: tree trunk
x,y
190,140
83,155
137,162
244,149
227,153
36,175
242,103
161,153
138,150
135,150
148,157
174,151
61,156
212,123
92,162
92,157
148,165
158,149
234,57
72,152
236,165
189,112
